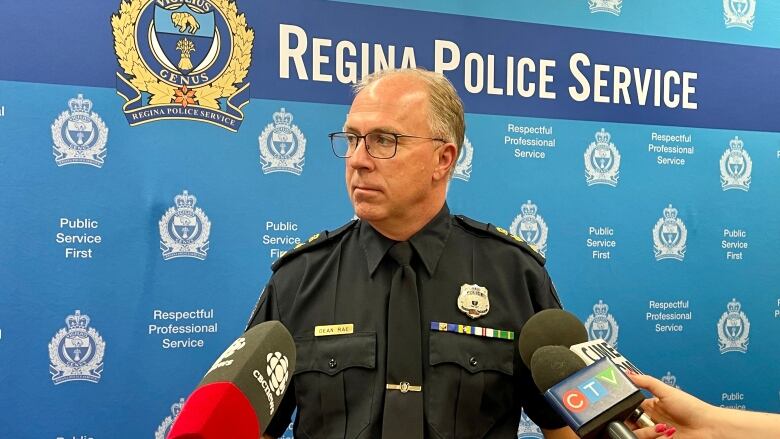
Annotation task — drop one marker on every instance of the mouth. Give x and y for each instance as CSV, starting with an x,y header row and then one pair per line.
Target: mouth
x,y
366,188
364,192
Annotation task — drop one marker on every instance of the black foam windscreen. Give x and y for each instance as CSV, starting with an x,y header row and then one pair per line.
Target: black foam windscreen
x,y
260,363
552,364
550,327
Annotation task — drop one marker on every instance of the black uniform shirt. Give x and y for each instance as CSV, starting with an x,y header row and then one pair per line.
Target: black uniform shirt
x,y
474,386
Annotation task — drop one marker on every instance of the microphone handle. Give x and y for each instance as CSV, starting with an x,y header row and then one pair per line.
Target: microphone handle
x,y
618,430
640,418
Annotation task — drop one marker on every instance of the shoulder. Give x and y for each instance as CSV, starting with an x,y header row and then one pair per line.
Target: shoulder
x,y
316,242
497,236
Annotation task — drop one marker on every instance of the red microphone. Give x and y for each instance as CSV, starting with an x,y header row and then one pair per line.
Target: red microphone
x,y
241,392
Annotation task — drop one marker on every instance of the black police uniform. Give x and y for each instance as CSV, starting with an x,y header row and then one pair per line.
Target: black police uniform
x,y
473,386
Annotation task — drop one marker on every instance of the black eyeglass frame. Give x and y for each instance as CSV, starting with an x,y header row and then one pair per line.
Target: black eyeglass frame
x,y
368,147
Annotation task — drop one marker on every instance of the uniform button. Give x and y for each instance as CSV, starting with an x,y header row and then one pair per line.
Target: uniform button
x,y
332,363
473,361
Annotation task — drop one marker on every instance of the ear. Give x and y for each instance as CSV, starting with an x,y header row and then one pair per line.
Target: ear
x,y
447,156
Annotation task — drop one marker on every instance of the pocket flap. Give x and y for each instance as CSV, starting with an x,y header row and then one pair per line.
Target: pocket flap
x,y
475,354
333,354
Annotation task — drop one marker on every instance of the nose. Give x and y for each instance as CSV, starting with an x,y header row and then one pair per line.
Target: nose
x,y
360,159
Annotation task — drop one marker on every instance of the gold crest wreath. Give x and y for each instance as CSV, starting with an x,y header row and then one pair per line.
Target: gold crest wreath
x,y
162,93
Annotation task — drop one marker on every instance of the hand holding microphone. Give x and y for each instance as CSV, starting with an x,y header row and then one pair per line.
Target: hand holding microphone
x,y
695,419
241,392
554,345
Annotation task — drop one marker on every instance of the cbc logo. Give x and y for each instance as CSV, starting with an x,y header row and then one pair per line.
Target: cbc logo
x,y
590,391
277,371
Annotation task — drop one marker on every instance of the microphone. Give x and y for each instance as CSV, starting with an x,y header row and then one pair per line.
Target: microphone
x,y
556,327
593,400
594,350
240,393
550,327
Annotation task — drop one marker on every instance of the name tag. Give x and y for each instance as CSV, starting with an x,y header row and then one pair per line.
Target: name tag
x,y
343,329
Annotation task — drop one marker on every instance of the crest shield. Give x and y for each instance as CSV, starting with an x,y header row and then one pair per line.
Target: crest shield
x,y
182,37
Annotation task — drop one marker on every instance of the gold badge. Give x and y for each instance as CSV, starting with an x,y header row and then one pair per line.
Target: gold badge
x,y
326,330
473,300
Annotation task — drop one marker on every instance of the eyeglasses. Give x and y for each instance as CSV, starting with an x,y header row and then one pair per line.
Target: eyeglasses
x,y
378,145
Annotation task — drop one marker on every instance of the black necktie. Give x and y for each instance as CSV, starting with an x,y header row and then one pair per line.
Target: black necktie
x,y
403,413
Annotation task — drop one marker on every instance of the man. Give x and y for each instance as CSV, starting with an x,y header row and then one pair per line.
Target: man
x,y
405,321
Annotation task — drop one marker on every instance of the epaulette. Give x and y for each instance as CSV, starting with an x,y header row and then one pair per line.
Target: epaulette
x,y
314,241
503,234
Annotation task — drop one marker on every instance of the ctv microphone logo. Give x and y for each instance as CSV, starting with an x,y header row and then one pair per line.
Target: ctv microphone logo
x,y
590,391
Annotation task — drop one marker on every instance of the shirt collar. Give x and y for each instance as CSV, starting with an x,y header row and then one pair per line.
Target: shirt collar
x,y
429,242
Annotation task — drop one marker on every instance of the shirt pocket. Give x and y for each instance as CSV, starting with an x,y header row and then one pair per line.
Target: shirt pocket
x,y
334,384
470,384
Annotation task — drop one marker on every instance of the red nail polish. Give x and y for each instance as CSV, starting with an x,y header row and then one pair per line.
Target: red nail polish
x,y
669,432
660,428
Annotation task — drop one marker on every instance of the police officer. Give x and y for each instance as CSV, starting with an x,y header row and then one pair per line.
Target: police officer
x,y
405,321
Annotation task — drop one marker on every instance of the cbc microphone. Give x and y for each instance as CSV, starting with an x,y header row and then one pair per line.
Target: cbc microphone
x,y
556,327
593,400
241,392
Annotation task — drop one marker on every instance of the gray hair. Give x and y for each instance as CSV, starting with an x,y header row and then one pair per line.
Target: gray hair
x,y
445,116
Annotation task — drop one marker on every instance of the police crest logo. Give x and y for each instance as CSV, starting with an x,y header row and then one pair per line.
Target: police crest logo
x,y
669,236
184,229
733,329
182,59
76,351
463,165
602,325
739,13
282,145
527,429
277,369
602,161
608,6
167,423
79,135
670,380
473,300
736,167
530,226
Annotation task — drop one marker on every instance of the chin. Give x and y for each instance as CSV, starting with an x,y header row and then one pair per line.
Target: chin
x,y
367,213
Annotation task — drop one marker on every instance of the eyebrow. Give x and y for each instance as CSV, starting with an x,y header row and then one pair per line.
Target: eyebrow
x,y
380,129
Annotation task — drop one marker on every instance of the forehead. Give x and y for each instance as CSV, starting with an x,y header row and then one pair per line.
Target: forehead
x,y
392,101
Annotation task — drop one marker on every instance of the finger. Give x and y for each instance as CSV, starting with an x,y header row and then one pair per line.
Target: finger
x,y
648,433
656,387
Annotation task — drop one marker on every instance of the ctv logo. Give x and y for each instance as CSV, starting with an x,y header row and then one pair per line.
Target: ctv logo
x,y
590,391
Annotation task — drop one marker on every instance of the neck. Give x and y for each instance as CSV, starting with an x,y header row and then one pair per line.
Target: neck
x,y
401,229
